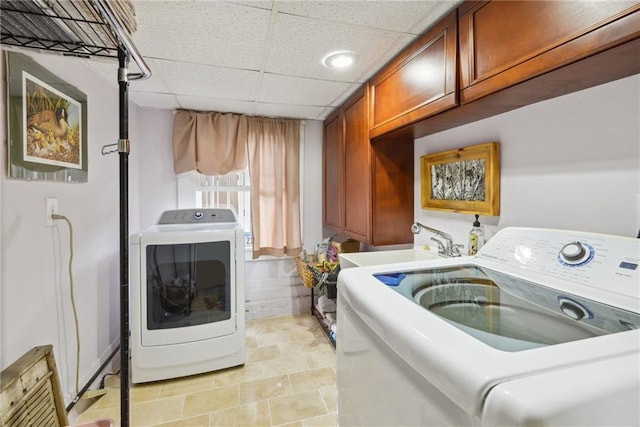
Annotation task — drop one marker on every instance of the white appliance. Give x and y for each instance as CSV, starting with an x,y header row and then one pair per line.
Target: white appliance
x,y
539,328
187,295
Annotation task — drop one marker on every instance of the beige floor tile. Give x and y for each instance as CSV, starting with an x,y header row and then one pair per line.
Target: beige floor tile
x,y
248,372
303,346
157,411
284,365
110,399
328,420
251,414
312,379
186,385
259,354
285,356
251,342
145,392
256,327
296,407
92,414
330,396
272,338
202,402
266,388
321,358
197,421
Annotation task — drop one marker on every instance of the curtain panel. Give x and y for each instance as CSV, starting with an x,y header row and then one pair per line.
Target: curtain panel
x,y
210,143
274,167
217,144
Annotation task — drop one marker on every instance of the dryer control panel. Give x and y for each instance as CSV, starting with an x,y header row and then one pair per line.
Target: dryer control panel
x,y
198,216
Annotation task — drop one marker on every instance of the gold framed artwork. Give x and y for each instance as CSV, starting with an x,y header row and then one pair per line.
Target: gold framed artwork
x,y
465,180
47,126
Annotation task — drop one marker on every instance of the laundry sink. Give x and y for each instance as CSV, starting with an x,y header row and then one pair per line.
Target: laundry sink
x,y
359,259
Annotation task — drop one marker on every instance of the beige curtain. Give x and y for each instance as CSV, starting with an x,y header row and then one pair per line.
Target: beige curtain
x,y
274,166
211,143
217,144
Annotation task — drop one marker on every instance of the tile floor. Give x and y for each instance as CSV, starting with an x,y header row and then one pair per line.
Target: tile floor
x,y
289,380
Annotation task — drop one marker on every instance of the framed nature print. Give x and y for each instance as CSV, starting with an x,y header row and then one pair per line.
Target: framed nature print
x,y
465,180
47,124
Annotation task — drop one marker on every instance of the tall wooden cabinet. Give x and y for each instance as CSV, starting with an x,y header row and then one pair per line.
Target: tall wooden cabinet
x,y
362,179
333,176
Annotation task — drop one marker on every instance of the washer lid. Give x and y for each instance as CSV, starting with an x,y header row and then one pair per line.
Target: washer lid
x,y
509,313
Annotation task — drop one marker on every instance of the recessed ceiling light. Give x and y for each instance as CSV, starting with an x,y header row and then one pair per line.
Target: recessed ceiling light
x,y
339,60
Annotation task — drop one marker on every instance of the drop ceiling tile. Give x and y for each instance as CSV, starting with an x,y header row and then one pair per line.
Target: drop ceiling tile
x,y
400,16
291,111
299,45
280,89
219,105
160,101
208,81
205,32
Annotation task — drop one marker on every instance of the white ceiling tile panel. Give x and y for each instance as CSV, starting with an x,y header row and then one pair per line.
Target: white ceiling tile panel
x,y
205,32
291,111
402,17
220,105
160,101
299,45
264,57
208,81
280,89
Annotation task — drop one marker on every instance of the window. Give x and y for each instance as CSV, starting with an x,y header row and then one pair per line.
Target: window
x,y
231,191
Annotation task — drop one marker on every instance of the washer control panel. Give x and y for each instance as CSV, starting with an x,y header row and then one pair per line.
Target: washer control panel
x,y
575,254
597,260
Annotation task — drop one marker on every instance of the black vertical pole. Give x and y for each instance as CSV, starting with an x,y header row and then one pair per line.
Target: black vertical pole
x,y
123,150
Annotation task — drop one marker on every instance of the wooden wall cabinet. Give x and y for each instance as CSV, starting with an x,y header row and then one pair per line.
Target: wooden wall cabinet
x,y
419,82
365,193
503,43
333,176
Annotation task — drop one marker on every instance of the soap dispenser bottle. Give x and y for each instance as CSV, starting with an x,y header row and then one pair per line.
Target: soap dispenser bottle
x,y
476,237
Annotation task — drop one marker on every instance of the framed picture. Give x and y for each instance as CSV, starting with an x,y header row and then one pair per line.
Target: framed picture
x,y
47,127
466,180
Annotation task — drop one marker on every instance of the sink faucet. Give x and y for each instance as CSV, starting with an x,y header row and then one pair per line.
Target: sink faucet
x,y
447,248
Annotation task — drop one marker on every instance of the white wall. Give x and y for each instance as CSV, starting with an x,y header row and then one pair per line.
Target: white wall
x,y
571,162
35,295
272,286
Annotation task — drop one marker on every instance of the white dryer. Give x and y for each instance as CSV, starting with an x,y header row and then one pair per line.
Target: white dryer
x,y
187,295
539,328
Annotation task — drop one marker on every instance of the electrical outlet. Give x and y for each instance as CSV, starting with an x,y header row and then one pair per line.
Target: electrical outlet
x,y
51,207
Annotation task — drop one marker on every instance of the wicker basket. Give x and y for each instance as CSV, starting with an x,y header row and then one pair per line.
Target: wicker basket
x,y
308,279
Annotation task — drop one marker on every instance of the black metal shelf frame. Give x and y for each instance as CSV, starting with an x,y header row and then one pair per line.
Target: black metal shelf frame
x,y
88,28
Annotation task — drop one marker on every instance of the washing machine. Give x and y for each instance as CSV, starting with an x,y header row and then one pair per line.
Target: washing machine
x,y
187,295
539,328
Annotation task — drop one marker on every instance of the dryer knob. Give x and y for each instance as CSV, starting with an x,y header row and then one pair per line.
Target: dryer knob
x,y
198,215
572,252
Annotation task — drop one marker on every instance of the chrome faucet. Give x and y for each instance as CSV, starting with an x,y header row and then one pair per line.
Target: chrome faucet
x,y
447,248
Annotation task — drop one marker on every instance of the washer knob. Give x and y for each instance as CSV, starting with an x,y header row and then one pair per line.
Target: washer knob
x,y
573,309
198,215
572,252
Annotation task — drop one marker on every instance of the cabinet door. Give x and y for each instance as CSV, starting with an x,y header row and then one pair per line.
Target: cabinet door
x,y
333,169
393,184
357,170
503,43
419,82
